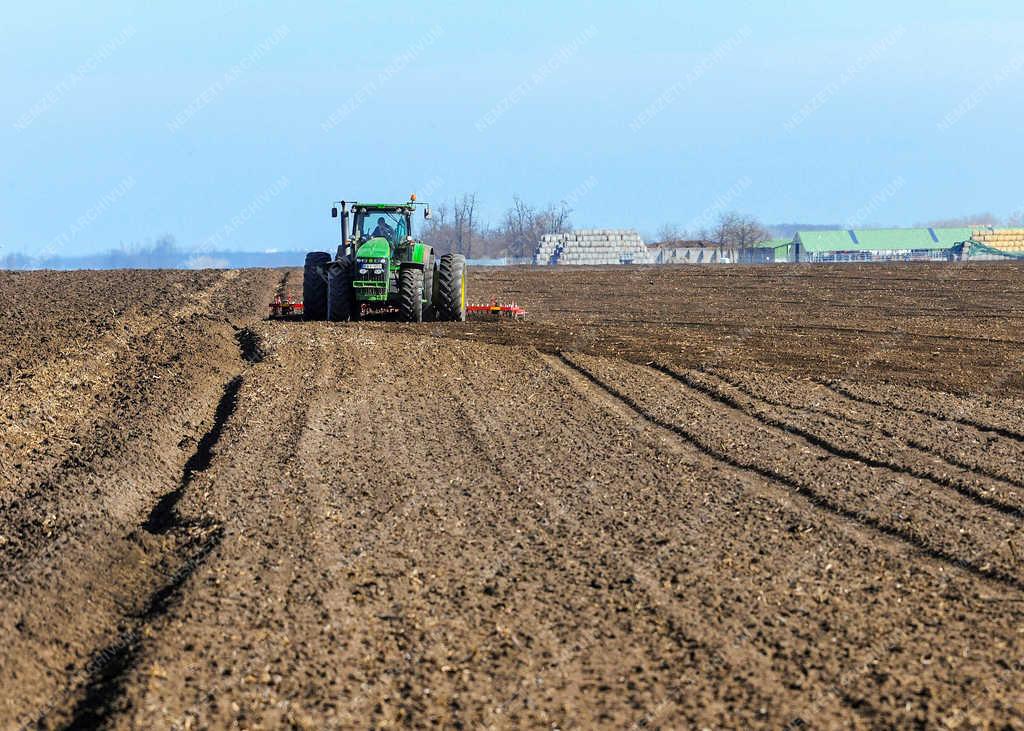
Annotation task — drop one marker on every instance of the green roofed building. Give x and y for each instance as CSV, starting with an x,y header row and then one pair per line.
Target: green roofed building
x,y
884,244
768,252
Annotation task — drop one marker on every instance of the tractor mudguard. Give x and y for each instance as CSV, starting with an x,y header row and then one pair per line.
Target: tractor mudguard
x,y
419,256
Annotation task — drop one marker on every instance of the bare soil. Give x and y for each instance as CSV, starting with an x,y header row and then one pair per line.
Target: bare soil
x,y
674,497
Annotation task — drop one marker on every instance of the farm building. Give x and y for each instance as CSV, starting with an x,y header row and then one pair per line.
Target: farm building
x,y
708,252
768,252
891,244
691,252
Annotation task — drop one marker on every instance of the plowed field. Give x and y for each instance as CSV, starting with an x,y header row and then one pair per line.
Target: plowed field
x,y
674,497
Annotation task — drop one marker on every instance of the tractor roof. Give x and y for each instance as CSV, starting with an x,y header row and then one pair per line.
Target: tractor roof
x,y
382,206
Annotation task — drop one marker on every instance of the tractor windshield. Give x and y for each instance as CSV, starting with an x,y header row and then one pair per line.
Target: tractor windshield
x,y
382,224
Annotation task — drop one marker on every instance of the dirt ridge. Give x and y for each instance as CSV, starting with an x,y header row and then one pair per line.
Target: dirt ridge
x,y
815,498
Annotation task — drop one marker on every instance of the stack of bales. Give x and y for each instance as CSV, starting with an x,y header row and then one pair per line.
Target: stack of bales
x,y
593,247
1004,239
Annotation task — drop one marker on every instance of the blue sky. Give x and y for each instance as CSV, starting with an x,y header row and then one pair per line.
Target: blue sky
x,y
236,124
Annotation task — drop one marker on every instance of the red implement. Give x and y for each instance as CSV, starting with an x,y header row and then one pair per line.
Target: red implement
x,y
284,307
494,309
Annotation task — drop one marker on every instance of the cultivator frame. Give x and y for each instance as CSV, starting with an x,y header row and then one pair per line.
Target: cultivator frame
x,y
494,309
285,308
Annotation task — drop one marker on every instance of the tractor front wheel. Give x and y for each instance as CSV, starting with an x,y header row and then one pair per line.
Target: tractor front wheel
x,y
451,288
410,294
314,286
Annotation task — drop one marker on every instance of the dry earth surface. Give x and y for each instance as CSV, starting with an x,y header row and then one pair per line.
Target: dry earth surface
x,y
674,497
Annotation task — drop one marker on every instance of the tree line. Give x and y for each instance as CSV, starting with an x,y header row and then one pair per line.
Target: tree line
x,y
729,230
458,227
1014,220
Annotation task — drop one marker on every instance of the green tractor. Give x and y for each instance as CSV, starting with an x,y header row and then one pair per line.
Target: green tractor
x,y
381,268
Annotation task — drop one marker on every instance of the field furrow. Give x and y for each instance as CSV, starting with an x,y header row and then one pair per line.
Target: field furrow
x,y
1002,418
959,535
957,445
869,446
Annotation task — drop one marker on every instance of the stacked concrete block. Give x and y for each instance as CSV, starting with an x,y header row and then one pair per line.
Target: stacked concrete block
x,y
593,247
546,249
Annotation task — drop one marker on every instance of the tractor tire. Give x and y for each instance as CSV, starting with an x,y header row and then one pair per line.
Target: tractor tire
x,y
429,310
314,286
341,296
410,294
451,283
436,290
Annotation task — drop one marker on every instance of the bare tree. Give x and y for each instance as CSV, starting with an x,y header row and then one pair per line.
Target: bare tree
x,y
749,231
978,219
670,233
456,227
464,223
438,229
516,228
523,225
733,230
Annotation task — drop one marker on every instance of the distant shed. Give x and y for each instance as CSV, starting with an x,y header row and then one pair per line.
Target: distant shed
x,y
690,252
888,244
767,252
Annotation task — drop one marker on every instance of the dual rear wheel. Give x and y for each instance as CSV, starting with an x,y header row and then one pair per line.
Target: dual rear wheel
x,y
451,288
327,292
439,293
341,295
314,286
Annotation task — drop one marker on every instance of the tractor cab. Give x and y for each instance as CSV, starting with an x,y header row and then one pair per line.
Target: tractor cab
x,y
391,223
382,245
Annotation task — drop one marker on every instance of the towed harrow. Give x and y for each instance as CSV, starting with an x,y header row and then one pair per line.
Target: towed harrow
x,y
495,309
285,308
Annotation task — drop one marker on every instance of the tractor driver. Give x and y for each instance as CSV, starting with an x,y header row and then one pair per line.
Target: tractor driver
x,y
383,230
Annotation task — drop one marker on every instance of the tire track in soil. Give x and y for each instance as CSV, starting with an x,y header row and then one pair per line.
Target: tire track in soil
x,y
876,422
97,436
837,450
715,649
162,518
275,503
146,582
738,651
721,654
108,669
193,543
102,437
847,689
457,419
815,498
839,388
720,647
